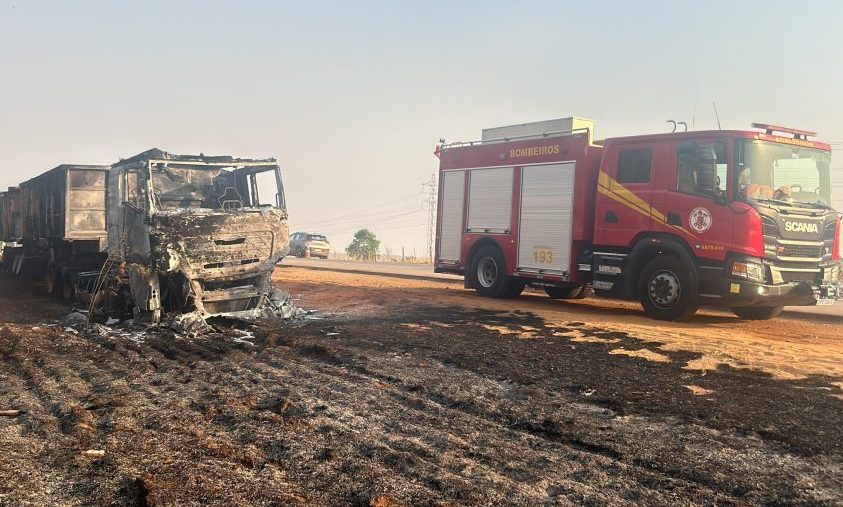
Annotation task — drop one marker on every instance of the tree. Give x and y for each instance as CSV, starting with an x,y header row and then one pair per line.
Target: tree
x,y
364,245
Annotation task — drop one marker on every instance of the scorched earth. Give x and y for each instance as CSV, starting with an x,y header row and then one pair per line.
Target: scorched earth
x,y
397,391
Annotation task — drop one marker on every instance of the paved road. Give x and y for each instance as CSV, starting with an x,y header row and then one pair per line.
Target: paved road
x,y
425,271
422,271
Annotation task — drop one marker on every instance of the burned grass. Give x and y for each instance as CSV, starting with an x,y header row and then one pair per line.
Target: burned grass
x,y
438,405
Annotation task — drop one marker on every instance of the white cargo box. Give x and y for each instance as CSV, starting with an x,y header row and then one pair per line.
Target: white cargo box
x,y
538,128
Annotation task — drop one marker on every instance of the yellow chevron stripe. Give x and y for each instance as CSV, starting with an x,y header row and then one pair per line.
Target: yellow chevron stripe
x,y
609,187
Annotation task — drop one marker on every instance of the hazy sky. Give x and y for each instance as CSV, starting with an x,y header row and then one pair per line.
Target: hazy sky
x,y
351,97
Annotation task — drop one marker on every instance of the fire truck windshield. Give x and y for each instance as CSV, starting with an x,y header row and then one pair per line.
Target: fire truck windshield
x,y
781,172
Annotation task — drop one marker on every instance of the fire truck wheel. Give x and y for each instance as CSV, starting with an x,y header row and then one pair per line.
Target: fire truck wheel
x,y
667,291
566,291
516,287
488,268
757,312
586,292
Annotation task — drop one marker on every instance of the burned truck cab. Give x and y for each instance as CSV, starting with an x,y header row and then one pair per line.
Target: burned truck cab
x,y
196,233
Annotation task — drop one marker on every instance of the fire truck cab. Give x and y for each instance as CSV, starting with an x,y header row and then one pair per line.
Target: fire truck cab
x,y
739,219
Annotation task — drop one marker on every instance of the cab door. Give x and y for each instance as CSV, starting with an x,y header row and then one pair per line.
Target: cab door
x,y
695,206
625,193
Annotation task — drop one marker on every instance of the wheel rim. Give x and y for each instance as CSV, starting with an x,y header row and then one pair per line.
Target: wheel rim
x,y
665,289
487,272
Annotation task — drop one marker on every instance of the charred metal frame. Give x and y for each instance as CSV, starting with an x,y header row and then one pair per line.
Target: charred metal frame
x,y
216,261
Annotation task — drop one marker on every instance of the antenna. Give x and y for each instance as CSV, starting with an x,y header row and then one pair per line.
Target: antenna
x,y
674,126
694,114
717,116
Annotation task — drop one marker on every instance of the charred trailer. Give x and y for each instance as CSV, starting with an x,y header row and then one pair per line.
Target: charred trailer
x,y
195,233
10,227
62,224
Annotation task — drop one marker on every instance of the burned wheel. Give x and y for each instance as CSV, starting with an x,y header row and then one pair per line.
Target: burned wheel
x,y
668,289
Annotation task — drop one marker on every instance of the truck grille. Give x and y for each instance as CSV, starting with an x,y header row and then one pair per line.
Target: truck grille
x,y
807,251
799,276
219,252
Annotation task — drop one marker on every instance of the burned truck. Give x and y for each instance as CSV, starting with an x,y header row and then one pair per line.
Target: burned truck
x,y
192,233
10,227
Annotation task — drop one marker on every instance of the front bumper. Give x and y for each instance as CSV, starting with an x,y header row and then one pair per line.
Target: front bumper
x,y
317,252
738,292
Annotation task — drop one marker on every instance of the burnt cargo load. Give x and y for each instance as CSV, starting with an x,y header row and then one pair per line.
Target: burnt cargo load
x,y
10,227
730,218
63,223
10,216
196,233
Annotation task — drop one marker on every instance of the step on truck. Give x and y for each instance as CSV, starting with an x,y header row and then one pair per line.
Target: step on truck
x,y
729,218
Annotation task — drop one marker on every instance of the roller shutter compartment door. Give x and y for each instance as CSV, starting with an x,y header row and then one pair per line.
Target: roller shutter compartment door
x,y
546,224
450,219
490,200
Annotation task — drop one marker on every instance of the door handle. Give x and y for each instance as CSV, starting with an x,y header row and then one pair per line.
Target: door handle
x,y
611,217
673,219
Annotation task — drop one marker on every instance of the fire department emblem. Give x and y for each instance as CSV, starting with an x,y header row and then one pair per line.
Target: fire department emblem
x,y
700,220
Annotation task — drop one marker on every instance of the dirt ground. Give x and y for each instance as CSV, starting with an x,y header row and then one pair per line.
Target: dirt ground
x,y
405,392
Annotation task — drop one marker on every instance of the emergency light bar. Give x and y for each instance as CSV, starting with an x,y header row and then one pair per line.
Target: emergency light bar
x,y
797,134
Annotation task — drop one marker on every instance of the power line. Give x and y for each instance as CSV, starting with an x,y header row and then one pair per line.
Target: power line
x,y
396,219
370,208
350,221
431,212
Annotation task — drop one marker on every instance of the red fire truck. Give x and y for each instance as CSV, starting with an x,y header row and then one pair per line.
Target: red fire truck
x,y
738,219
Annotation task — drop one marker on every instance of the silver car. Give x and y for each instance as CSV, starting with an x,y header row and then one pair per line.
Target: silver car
x,y
309,244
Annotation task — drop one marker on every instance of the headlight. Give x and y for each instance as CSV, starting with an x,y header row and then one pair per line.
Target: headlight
x,y
749,271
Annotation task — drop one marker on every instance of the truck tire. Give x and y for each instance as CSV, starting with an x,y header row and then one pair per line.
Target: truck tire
x,y
488,271
757,312
569,292
586,292
667,289
516,287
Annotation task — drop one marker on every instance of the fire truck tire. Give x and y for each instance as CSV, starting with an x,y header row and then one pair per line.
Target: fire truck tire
x,y
567,292
488,270
667,290
516,287
586,292
757,312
